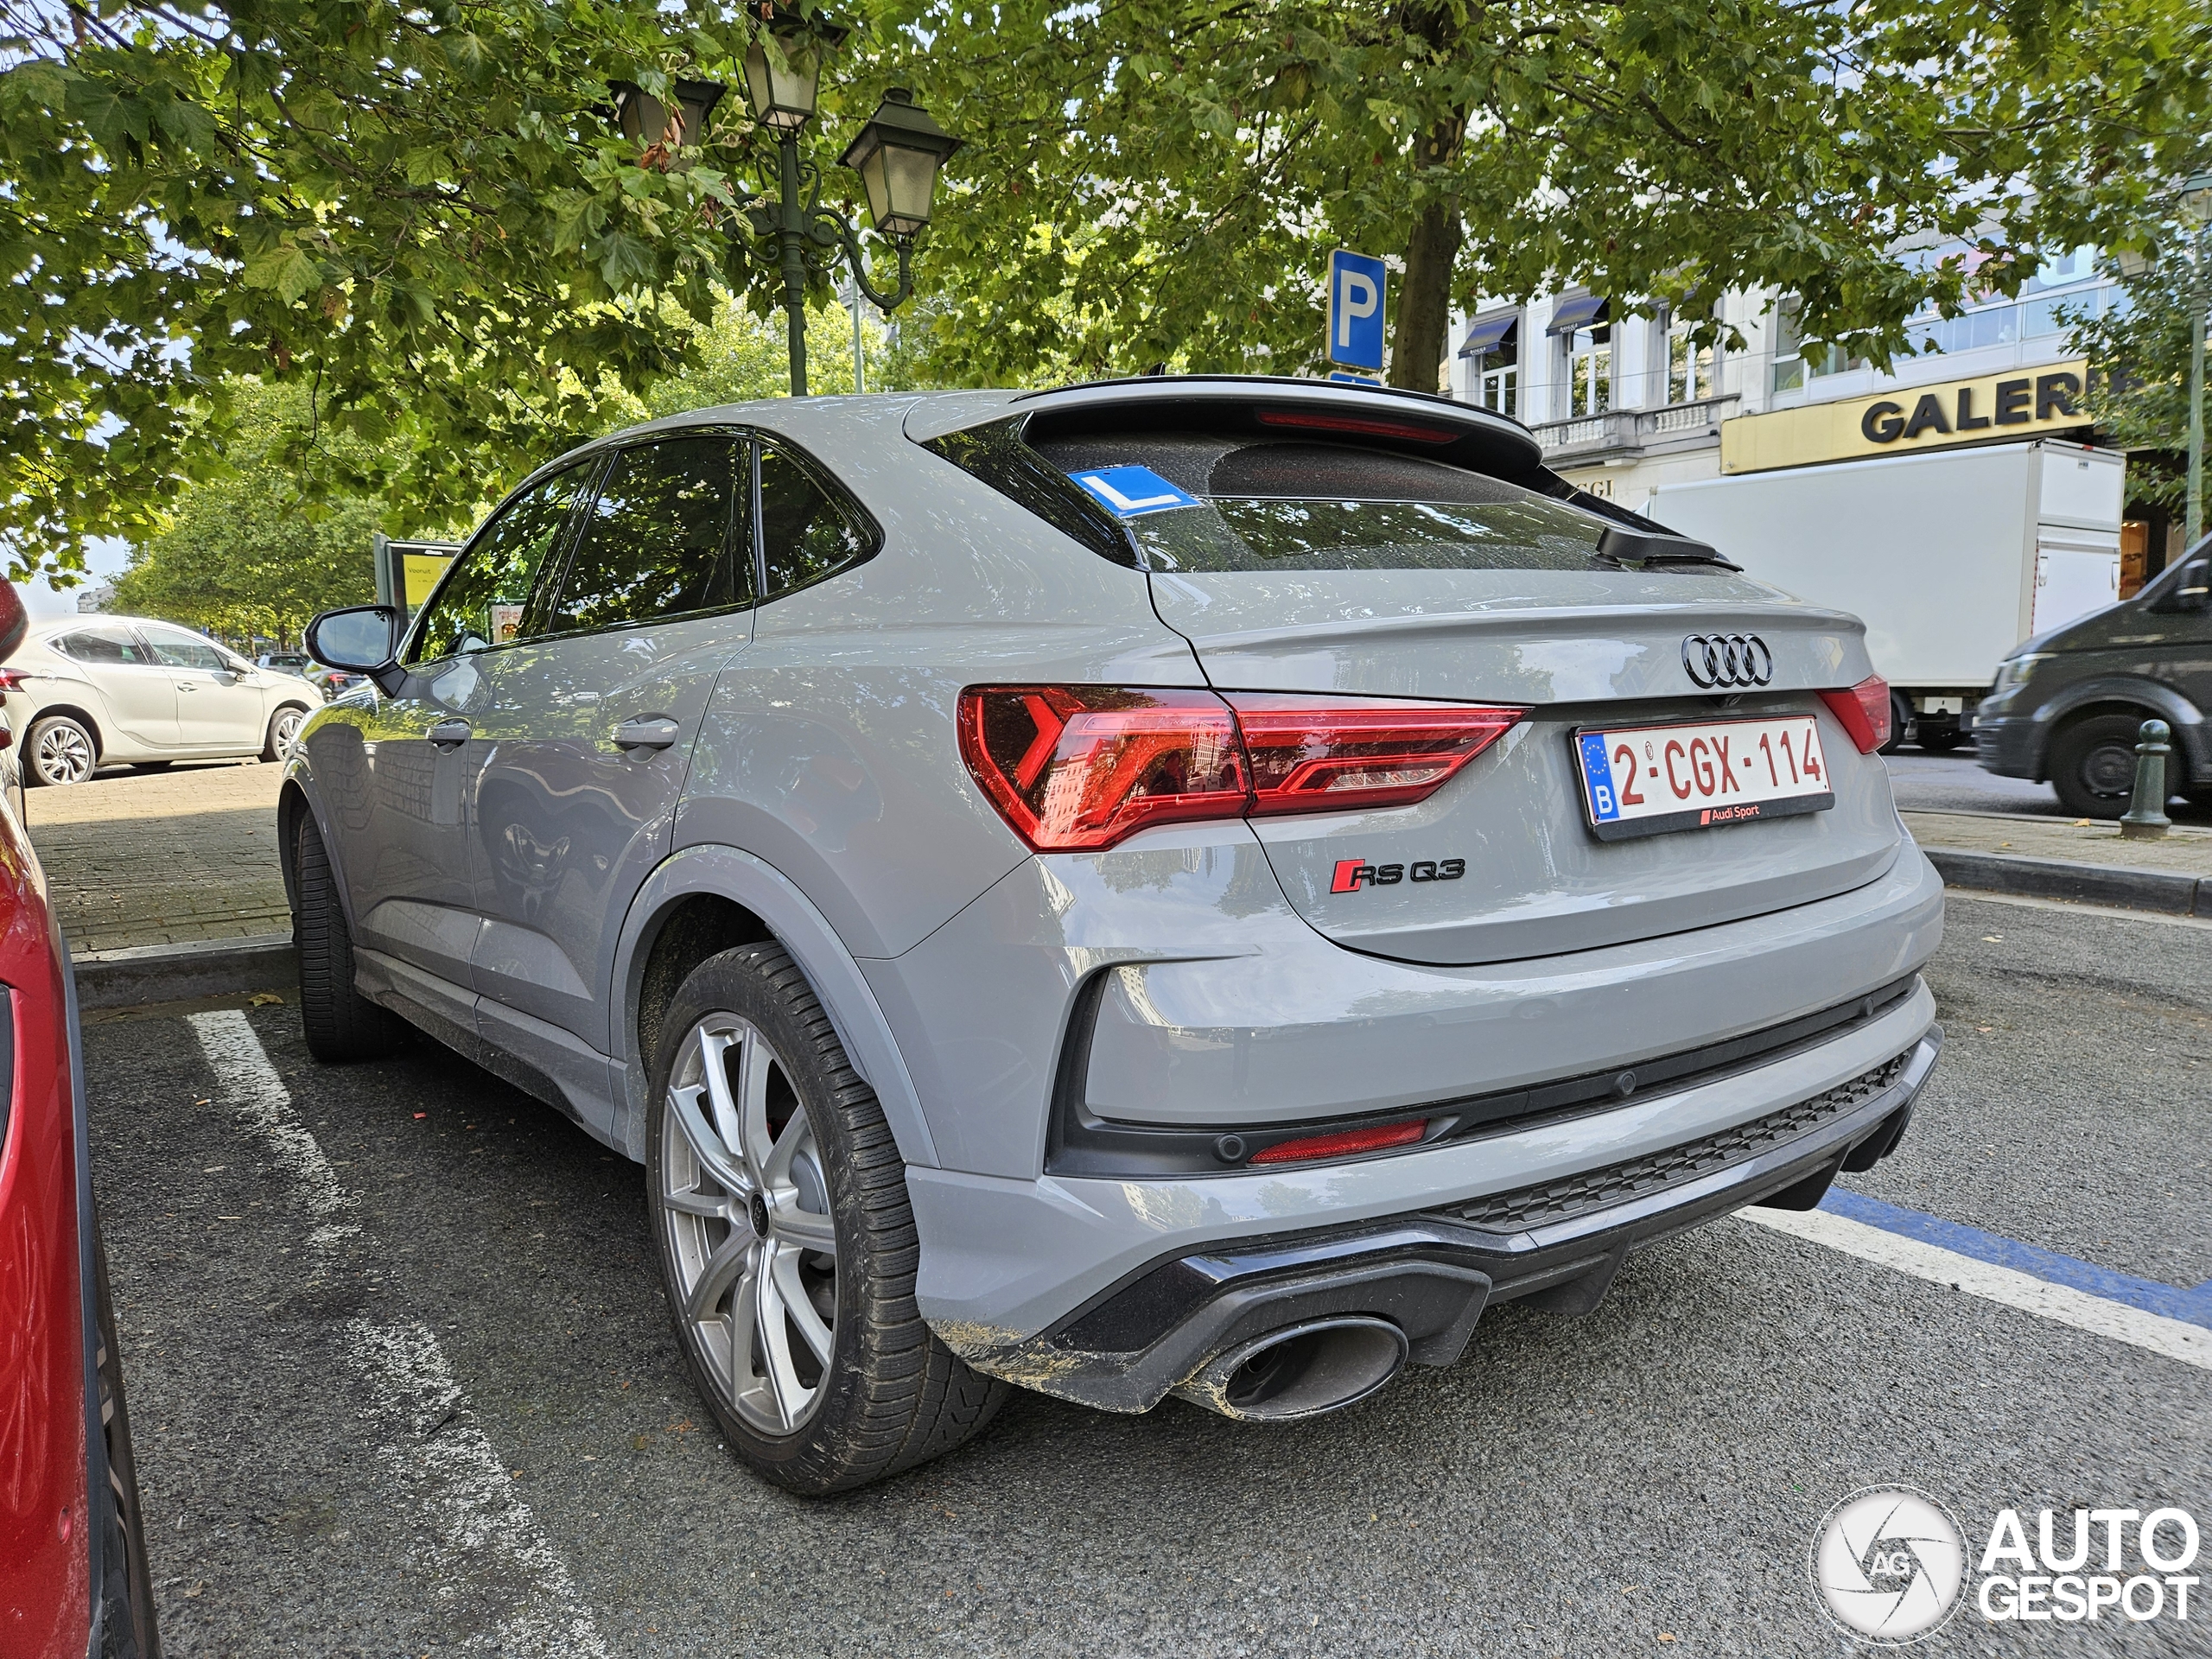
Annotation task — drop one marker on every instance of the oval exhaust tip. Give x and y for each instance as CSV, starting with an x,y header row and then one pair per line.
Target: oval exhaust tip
x,y
1302,1371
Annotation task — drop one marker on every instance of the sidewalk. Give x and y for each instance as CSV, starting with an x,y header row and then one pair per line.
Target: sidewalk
x,y
153,858
2071,859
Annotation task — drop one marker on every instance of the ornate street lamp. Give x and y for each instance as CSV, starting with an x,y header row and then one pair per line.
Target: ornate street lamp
x,y
897,154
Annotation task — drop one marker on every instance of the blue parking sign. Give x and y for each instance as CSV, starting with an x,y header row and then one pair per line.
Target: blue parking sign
x,y
1355,310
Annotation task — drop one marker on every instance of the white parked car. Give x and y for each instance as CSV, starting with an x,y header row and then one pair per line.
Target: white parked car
x,y
89,691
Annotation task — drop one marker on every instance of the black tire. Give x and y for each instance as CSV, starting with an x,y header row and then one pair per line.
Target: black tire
x,y
75,754
2093,764
1900,724
127,1627
1941,740
341,1024
892,1394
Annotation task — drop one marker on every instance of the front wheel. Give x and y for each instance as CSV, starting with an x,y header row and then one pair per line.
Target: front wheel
x,y
2093,764
788,1247
284,732
61,751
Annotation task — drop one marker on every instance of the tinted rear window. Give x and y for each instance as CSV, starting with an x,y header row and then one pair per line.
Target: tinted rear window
x,y
1296,505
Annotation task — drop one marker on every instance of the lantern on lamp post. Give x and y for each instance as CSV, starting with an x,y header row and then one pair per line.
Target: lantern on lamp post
x,y
898,153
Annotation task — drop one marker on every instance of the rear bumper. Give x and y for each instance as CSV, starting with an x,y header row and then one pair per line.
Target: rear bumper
x,y
1433,1272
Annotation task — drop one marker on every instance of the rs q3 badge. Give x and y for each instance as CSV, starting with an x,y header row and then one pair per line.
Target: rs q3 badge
x,y
1353,874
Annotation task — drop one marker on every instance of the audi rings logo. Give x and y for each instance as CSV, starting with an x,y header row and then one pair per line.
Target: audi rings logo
x,y
1716,659
1888,1564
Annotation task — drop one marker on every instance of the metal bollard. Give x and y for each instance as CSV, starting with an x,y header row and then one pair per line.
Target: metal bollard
x,y
2145,819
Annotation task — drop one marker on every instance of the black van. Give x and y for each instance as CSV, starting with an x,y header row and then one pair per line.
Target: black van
x,y
2067,704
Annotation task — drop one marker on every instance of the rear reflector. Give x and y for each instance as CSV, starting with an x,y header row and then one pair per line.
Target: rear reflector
x,y
1344,1145
1864,711
1075,768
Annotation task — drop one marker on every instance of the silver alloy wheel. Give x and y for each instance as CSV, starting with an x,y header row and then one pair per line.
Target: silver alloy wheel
x,y
749,1230
285,734
64,754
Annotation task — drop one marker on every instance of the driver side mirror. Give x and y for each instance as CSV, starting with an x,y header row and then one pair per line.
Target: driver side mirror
x,y
360,640
2194,592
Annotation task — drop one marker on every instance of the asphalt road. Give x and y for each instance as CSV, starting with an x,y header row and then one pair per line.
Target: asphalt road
x,y
1957,783
402,1384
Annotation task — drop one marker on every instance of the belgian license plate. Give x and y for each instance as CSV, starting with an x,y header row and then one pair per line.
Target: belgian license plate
x,y
1646,780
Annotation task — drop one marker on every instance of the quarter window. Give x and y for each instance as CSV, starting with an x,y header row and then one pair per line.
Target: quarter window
x,y
806,532
667,536
105,645
485,598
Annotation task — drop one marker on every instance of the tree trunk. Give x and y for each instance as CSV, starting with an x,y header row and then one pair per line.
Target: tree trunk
x,y
1425,291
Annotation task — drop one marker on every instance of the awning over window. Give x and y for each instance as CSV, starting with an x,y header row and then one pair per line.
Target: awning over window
x,y
1488,333
1576,311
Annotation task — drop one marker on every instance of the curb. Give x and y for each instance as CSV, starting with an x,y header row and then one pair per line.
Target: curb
x,y
2164,891
173,972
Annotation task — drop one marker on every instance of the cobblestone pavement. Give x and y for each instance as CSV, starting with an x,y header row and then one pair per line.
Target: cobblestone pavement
x,y
162,857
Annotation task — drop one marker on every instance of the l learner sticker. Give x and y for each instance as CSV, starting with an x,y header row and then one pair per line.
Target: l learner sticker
x,y
1132,491
1646,780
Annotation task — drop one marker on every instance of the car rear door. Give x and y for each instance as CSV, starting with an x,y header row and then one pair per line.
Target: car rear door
x,y
136,691
586,730
219,706
391,770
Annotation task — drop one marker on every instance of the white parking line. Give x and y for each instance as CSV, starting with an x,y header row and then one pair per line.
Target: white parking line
x,y
434,1447
2191,1344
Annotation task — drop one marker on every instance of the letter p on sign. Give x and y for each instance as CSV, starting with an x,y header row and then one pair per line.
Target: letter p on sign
x,y
1356,311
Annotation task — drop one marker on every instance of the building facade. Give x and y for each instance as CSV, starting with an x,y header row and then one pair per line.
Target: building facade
x,y
1624,404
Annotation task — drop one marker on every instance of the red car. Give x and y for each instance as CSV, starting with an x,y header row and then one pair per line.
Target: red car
x,y
74,1579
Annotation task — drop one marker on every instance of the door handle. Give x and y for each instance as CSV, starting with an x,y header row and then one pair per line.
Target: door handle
x,y
646,732
449,733
187,685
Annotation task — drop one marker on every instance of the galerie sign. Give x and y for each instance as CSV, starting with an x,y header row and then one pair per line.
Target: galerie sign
x,y
1901,420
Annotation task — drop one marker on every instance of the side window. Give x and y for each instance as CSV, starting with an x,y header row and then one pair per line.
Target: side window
x,y
485,598
669,536
104,644
178,650
806,532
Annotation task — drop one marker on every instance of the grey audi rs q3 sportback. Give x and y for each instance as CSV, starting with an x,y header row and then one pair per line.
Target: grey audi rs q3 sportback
x,y
1186,886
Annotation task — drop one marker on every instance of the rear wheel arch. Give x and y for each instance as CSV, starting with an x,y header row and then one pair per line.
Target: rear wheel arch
x,y
746,899
75,711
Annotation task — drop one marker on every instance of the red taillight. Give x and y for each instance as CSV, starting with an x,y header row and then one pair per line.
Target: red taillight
x,y
1344,1145
1077,767
1864,710
1325,755
1074,768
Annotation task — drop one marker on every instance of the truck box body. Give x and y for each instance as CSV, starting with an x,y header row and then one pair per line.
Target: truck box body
x,y
1951,558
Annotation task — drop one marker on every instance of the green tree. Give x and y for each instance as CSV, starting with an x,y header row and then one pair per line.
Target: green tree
x,y
1160,180
247,550
416,213
2139,355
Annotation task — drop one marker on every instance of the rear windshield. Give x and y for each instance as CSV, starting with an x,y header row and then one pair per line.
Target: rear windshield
x,y
1201,502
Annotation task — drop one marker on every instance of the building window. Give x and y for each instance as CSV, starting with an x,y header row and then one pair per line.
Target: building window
x,y
1590,369
1689,367
1492,348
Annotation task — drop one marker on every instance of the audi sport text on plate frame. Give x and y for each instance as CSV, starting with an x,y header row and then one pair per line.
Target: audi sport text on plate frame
x,y
1646,780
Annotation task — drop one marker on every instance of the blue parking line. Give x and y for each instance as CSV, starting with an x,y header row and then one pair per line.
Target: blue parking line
x,y
2192,1306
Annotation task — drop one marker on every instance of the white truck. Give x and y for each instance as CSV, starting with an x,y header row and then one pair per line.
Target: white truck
x,y
1952,558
